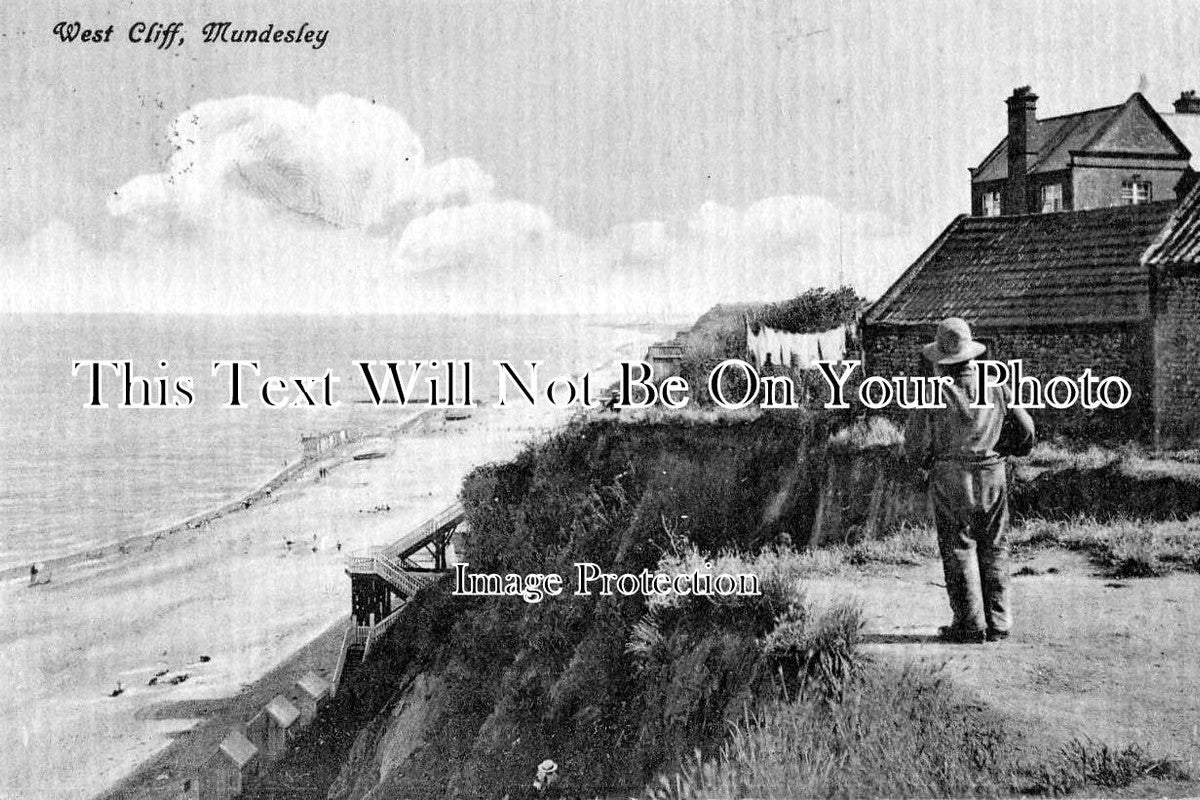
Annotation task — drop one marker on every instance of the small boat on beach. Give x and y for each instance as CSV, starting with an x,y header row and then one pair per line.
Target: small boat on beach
x,y
369,455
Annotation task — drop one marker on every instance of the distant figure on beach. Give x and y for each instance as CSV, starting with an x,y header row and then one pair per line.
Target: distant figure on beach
x,y
314,544
287,544
968,485
38,575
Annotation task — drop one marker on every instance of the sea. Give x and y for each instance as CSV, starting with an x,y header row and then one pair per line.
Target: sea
x,y
73,477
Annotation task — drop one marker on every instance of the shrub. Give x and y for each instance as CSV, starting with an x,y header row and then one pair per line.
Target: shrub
x,y
816,310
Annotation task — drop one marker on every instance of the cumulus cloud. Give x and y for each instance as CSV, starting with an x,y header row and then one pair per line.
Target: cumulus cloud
x,y
269,204
447,236
344,162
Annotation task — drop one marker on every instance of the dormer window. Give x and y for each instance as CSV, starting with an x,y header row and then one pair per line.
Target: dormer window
x,y
991,203
1052,198
1136,191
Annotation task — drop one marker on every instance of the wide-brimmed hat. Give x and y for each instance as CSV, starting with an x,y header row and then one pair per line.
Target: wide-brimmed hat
x,y
953,343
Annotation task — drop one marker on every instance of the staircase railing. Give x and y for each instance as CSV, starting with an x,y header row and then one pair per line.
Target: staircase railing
x,y
347,643
389,571
380,629
421,534
392,563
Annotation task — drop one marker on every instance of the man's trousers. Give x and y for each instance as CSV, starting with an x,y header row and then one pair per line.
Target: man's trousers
x,y
970,507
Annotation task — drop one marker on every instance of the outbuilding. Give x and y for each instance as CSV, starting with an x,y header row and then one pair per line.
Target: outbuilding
x,y
282,716
665,358
312,692
272,729
224,774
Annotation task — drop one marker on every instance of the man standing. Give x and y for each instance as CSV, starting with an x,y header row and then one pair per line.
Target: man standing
x,y
968,485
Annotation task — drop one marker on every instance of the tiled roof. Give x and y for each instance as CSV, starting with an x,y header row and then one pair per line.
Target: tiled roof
x,y
1132,125
1064,268
1179,246
1058,137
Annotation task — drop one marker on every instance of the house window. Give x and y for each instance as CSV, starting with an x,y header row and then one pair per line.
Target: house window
x,y
1136,191
1052,198
991,203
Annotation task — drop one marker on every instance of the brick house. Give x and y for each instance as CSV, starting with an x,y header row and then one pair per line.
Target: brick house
x,y
1116,289
1117,155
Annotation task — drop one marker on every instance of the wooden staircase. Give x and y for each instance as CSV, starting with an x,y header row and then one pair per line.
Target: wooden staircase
x,y
397,565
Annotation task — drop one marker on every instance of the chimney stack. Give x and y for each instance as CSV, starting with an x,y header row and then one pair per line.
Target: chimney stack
x,y
1022,146
1187,103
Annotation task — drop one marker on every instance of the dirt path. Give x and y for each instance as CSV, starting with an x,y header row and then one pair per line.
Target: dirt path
x,y
1116,661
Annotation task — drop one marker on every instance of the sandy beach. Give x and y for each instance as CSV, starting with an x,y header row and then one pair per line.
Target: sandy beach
x,y
223,603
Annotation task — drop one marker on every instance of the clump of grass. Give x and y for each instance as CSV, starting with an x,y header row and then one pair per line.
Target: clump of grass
x,y
816,656
898,732
1134,552
822,561
1085,764
908,545
1038,532
1062,456
1124,548
866,434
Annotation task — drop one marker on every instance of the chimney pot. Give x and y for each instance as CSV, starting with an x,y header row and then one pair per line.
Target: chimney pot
x,y
1188,103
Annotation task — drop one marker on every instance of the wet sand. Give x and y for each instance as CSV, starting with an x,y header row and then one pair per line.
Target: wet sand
x,y
220,599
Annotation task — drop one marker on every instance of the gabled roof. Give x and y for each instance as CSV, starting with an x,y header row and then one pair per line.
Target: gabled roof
x,y
1133,126
1179,245
238,748
1064,268
282,711
313,685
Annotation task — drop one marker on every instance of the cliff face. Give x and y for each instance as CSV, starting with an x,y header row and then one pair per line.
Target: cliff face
x,y
865,495
468,695
609,691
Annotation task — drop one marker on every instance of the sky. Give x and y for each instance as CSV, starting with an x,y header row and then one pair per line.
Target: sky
x,y
629,156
